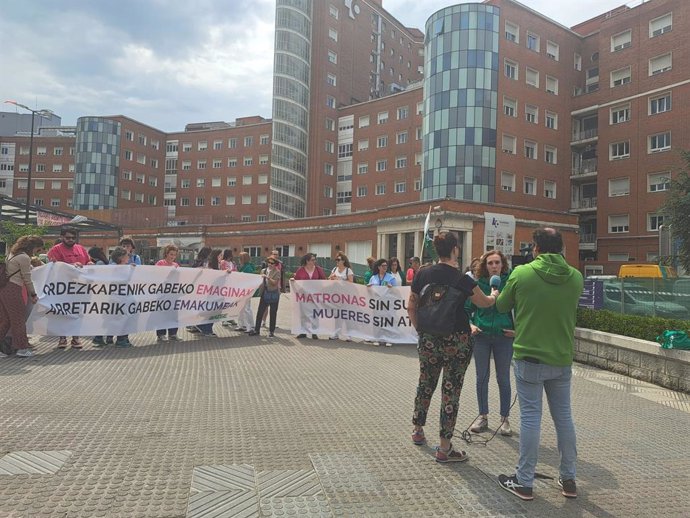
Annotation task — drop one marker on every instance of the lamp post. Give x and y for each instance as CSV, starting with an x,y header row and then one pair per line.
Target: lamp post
x,y
42,113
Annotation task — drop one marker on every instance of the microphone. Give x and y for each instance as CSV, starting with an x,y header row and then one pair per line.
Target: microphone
x,y
495,281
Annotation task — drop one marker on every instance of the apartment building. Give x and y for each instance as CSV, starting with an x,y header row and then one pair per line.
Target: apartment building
x,y
494,105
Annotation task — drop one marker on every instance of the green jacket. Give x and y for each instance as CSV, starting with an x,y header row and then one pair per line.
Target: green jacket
x,y
489,320
247,268
544,295
367,276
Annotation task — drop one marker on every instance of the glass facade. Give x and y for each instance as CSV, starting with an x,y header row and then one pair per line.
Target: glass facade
x,y
291,73
97,163
461,103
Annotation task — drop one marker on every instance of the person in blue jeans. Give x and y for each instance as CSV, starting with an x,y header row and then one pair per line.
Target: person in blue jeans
x,y
544,295
493,334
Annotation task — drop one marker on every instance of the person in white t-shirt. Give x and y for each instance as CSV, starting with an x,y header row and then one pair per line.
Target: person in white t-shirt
x,y
341,272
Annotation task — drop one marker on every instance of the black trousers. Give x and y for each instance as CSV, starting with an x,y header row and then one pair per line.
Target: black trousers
x,y
273,313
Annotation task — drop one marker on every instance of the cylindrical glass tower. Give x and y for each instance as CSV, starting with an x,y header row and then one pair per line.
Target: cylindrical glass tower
x,y
461,101
97,163
291,73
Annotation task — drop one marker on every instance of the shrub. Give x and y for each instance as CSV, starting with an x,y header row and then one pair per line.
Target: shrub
x,y
645,328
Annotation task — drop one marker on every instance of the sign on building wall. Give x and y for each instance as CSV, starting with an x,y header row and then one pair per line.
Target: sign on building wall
x,y
499,233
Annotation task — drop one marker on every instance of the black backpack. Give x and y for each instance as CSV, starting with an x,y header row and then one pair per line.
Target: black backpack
x,y
437,309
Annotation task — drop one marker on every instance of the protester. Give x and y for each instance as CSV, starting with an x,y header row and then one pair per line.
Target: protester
x,y
544,295
128,244
70,252
381,276
474,264
226,262
279,266
451,352
246,318
204,260
97,255
493,334
269,297
395,271
370,271
169,256
12,306
119,257
309,271
342,271
415,263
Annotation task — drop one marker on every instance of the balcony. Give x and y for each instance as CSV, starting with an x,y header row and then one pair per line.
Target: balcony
x,y
588,242
581,136
587,168
584,205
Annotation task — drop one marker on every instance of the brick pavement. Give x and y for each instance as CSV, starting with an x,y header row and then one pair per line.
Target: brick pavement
x,y
247,426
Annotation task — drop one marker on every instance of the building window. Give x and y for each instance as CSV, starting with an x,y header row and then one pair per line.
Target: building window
x,y
549,189
200,201
128,155
532,77
263,179
330,101
40,168
361,191
661,25
510,107
332,57
201,164
619,257
264,140
618,224
551,85
246,180
620,114
657,182
229,200
57,151
577,61
362,168
530,186
417,185
400,187
619,77
660,104
533,42
263,159
418,159
330,124
380,189
56,186
55,202
332,34
125,194
403,112
401,138
333,11
142,140
247,199
248,161
551,120
262,199
328,192
217,164
530,150
401,162
232,143
39,185
512,32
185,184
621,41
531,114
232,181
186,147
129,136
507,181
659,142
508,144
552,50
364,121
328,169
217,144
619,150
232,162
261,218
418,133
382,141
420,107
202,145
381,165
550,155
57,168
619,187
343,197
215,201
331,79
344,150
153,181
660,64
382,117
510,69
330,147
200,182
248,141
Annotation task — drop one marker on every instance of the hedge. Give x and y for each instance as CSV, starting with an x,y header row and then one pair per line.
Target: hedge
x,y
645,328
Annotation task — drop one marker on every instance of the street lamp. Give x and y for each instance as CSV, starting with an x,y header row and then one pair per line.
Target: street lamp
x,y
43,113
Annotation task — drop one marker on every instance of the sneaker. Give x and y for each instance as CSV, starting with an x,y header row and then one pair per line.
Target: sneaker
x,y
418,437
24,353
568,487
303,335
265,324
481,424
375,343
388,344
173,338
193,329
209,334
505,428
314,337
253,332
160,338
333,337
123,343
98,341
109,340
271,334
450,455
3,355
62,343
512,485
76,343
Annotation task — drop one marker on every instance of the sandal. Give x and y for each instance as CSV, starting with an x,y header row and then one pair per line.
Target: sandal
x,y
76,343
450,455
418,437
62,344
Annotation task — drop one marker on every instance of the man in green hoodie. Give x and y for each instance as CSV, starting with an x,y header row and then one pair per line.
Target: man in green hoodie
x,y
544,295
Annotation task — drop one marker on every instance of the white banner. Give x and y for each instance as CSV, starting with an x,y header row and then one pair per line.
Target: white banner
x,y
117,300
499,233
347,309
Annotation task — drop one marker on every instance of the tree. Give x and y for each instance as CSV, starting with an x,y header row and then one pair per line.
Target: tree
x,y
10,232
677,210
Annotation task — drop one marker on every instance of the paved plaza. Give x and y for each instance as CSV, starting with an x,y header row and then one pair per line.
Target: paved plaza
x,y
252,426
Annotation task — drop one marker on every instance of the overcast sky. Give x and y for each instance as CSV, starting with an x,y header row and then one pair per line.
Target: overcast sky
x,y
168,62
